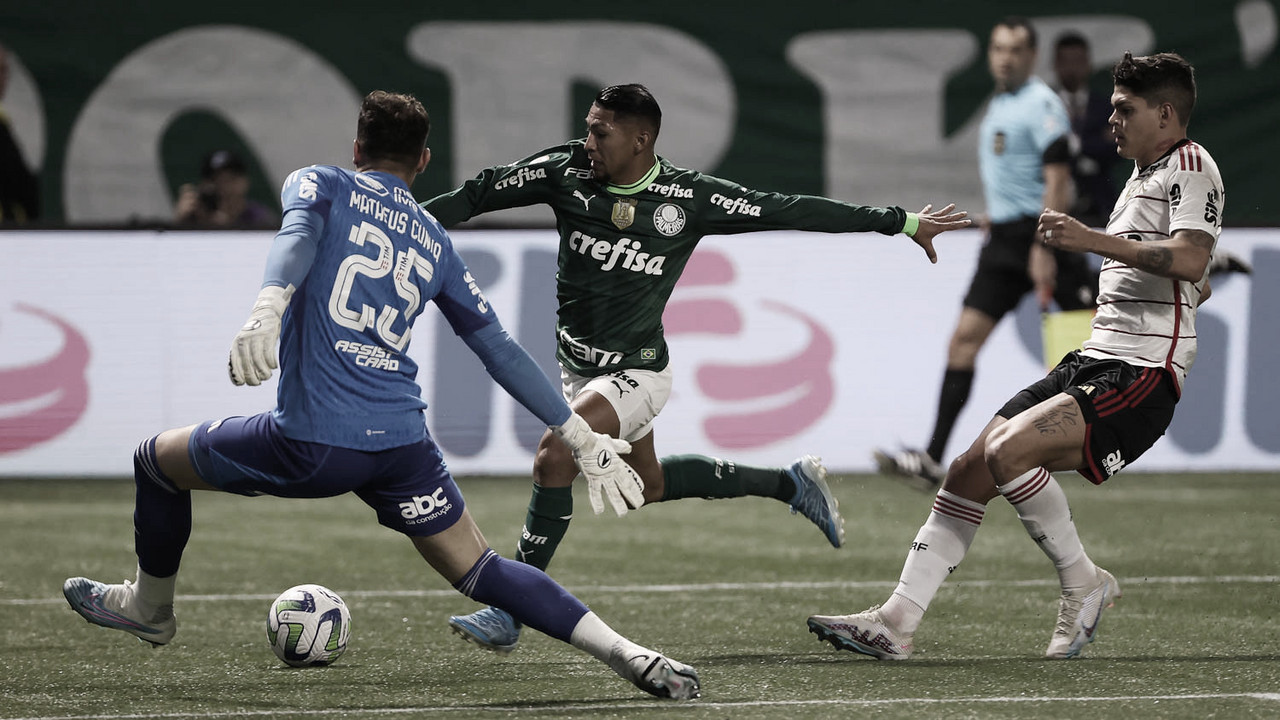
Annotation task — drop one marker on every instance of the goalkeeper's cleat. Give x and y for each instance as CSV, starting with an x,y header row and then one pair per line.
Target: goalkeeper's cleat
x,y
490,628
913,467
813,498
1078,615
865,632
113,606
655,673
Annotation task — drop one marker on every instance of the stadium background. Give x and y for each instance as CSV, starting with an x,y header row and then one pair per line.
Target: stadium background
x,y
873,104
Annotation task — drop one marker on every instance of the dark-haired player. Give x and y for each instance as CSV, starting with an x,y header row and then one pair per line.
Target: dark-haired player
x,y
351,269
1103,406
628,221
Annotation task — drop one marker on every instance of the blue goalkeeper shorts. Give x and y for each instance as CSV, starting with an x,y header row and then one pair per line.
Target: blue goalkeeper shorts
x,y
408,487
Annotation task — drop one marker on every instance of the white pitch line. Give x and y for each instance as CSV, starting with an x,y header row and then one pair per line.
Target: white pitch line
x,y
692,706
723,587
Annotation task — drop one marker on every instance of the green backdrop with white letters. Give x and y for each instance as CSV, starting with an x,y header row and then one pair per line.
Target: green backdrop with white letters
x,y
873,103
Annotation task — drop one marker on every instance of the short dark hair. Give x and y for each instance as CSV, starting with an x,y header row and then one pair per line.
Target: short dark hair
x,y
1070,38
1017,21
393,126
632,100
1158,79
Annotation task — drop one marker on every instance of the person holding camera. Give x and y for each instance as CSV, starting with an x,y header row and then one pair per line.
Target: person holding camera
x,y
221,198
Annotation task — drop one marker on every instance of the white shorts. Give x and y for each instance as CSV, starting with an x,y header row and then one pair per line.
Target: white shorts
x,y
637,396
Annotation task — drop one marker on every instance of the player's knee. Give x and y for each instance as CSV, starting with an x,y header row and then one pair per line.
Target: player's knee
x,y
962,352
655,485
146,466
553,464
1003,455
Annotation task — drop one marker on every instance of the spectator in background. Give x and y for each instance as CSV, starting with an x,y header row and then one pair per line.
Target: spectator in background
x,y
1093,147
1024,159
19,187
221,199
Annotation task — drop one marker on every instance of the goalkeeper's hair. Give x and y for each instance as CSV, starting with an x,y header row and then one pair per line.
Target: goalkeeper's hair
x,y
1159,79
393,127
632,101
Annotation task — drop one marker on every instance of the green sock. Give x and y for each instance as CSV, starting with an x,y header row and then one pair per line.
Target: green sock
x,y
545,525
706,477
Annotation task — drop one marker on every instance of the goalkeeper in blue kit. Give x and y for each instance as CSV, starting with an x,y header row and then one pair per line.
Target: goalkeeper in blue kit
x,y
353,266
628,222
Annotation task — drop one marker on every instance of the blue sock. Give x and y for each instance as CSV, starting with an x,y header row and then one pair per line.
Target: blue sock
x,y
526,592
161,515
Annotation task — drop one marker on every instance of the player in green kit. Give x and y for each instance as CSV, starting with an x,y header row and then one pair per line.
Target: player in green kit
x,y
628,221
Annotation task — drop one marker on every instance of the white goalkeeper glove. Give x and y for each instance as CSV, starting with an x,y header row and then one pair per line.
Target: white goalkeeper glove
x,y
596,455
253,352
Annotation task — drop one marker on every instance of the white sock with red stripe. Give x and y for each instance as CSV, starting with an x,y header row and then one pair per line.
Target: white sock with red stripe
x,y
1043,509
938,548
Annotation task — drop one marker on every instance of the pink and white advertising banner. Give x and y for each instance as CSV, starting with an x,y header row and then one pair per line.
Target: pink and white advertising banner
x,y
782,344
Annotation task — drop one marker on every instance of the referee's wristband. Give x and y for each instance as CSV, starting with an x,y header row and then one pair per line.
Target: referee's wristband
x,y
911,225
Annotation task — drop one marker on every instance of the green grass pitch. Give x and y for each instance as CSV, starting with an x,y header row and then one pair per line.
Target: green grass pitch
x,y
723,585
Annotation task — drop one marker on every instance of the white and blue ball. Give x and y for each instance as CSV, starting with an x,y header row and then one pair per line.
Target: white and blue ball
x,y
308,625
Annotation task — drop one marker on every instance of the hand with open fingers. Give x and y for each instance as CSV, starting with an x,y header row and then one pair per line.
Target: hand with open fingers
x,y
253,351
932,224
597,456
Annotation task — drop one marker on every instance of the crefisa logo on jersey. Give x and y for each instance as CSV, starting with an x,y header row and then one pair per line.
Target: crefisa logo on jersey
x,y
522,176
668,219
675,190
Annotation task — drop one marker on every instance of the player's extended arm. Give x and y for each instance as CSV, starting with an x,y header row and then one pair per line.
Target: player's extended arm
x,y
1183,256
520,184
596,454
924,226
253,352
735,209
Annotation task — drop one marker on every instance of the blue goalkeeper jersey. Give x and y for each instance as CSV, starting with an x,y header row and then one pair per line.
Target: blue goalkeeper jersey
x,y
345,376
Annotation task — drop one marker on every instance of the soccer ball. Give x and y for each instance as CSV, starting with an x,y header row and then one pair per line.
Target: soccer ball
x,y
308,625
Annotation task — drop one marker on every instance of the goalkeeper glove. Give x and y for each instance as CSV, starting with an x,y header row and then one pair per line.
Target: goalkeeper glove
x,y
253,352
596,455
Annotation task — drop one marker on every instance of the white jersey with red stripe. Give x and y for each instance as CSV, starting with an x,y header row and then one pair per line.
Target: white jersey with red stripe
x,y
1145,319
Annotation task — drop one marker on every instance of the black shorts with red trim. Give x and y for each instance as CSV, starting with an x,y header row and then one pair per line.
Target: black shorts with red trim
x,y
1126,408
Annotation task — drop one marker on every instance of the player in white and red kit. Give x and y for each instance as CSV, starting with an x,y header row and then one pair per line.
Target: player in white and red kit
x,y
1102,406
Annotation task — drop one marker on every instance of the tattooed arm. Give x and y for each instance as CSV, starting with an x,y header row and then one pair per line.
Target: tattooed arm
x,y
1184,256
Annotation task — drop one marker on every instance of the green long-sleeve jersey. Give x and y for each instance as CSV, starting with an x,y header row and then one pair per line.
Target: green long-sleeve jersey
x,y
622,249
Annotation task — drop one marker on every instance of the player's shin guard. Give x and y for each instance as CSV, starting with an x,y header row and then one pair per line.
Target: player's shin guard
x,y
937,550
550,509
699,476
1042,507
161,515
527,593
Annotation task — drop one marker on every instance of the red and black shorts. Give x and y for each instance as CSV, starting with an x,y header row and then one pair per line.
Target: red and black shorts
x,y
1126,408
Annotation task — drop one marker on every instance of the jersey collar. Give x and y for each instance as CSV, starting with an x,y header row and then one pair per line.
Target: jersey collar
x,y
638,185
1172,149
